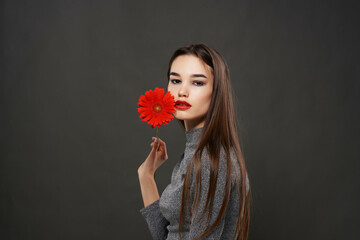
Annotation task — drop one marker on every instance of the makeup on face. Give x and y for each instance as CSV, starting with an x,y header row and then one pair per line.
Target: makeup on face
x,y
191,83
182,105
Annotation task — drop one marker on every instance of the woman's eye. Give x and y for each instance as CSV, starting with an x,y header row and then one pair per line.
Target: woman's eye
x,y
198,83
174,81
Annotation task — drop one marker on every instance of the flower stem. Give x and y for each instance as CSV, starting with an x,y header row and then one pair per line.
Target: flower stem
x,y
157,139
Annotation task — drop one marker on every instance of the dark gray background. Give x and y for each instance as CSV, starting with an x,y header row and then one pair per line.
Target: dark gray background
x,y
71,140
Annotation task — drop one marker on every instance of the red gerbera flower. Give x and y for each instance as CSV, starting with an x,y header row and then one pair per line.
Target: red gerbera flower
x,y
155,107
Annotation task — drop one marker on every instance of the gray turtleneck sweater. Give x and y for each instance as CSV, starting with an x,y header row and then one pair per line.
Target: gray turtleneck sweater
x,y
162,216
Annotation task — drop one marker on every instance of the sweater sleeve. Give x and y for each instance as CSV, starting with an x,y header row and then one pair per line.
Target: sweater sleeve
x,y
156,221
197,227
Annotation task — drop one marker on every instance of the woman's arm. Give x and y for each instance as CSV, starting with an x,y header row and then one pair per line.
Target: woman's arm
x,y
146,171
151,211
149,189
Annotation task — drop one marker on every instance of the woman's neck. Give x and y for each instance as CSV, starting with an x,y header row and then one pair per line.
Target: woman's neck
x,y
193,124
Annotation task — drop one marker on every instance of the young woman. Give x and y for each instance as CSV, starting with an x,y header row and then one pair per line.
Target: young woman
x,y
209,193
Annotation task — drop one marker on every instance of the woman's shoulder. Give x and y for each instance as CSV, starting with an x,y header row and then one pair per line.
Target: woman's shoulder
x,y
222,170
223,165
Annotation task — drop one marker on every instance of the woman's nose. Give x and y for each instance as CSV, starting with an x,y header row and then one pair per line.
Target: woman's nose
x,y
183,92
184,89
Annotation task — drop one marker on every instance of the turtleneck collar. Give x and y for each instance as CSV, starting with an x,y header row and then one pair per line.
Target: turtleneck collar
x,y
193,135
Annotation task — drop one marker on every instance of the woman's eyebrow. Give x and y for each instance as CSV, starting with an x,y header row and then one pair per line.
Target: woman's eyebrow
x,y
174,74
199,75
193,75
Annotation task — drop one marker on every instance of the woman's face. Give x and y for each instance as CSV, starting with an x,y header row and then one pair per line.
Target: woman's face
x,y
191,81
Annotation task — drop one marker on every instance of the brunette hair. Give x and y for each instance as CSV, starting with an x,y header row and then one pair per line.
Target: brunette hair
x,y
220,130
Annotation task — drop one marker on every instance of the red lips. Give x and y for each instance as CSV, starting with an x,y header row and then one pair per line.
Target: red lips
x,y
182,102
182,105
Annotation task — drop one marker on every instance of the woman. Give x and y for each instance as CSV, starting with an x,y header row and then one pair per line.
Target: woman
x,y
203,199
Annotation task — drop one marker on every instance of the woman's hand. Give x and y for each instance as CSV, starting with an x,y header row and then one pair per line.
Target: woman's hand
x,y
156,157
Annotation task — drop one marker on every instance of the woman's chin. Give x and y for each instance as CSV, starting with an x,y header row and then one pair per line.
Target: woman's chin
x,y
179,116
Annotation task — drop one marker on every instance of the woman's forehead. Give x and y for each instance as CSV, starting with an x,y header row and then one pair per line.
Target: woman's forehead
x,y
189,65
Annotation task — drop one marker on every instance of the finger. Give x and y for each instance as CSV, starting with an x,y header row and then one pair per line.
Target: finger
x,y
156,139
154,143
165,151
162,142
157,145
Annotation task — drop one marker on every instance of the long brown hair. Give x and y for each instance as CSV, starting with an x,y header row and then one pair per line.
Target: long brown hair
x,y
220,129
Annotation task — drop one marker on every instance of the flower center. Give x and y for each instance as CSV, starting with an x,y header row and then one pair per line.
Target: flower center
x,y
157,108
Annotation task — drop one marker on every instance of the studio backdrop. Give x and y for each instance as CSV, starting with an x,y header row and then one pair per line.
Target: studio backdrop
x,y
72,141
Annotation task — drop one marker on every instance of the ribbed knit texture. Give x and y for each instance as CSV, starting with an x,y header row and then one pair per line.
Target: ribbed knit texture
x,y
162,216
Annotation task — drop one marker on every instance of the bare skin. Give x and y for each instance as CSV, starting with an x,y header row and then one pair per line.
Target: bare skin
x,y
146,171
